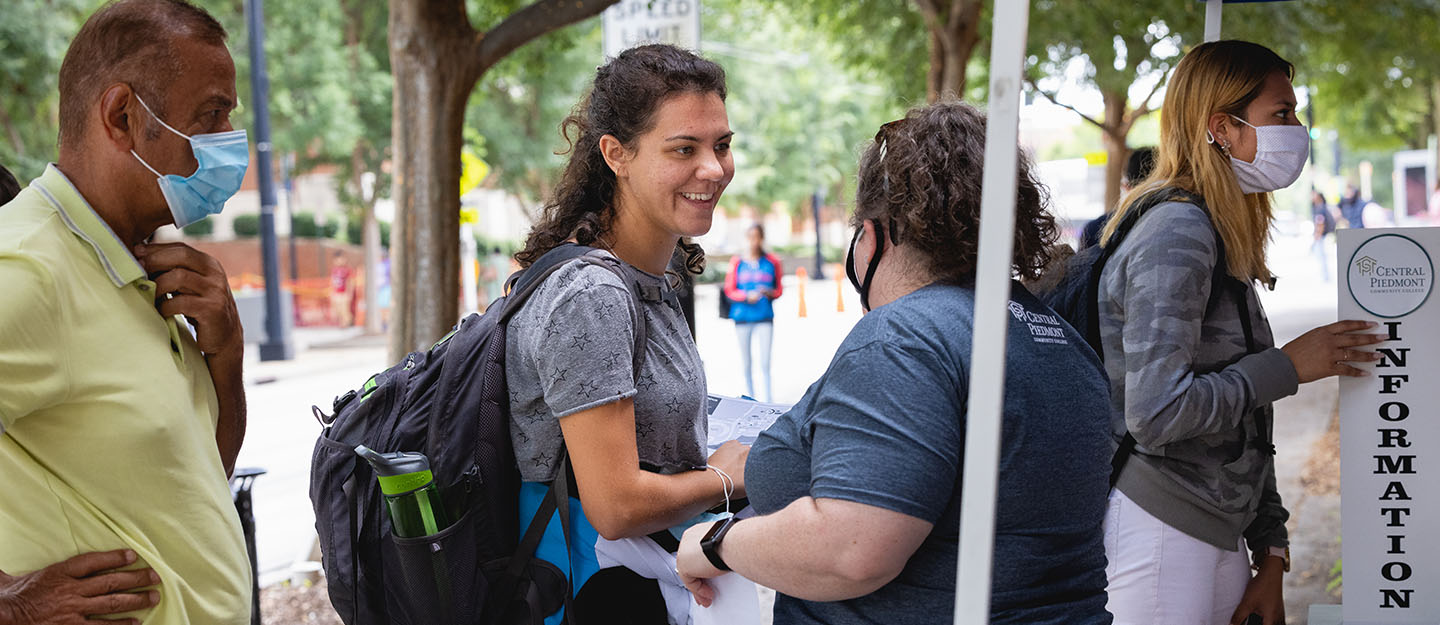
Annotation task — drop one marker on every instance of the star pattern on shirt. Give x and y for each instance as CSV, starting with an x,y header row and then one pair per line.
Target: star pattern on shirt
x,y
673,406
520,434
535,416
644,430
552,328
646,381
542,459
607,308
558,376
611,361
580,341
667,451
588,389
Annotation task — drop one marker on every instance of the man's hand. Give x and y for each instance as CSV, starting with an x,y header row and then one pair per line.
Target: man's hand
x,y
694,568
198,289
1264,595
73,591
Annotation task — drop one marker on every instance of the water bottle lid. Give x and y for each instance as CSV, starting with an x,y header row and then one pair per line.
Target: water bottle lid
x,y
399,472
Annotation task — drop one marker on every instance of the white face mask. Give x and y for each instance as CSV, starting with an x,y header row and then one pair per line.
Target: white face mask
x,y
1280,154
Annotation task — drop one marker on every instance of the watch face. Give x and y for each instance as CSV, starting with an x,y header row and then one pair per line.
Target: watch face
x,y
717,528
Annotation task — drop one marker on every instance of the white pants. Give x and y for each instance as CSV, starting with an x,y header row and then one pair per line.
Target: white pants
x,y
1159,575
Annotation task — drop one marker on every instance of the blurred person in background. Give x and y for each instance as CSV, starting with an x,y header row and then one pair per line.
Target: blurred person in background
x,y
1324,221
1137,168
752,283
1352,207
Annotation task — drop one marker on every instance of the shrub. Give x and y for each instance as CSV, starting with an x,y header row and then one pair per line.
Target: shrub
x,y
202,228
247,225
354,232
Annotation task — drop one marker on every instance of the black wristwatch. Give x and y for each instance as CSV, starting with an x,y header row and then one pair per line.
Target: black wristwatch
x,y
710,544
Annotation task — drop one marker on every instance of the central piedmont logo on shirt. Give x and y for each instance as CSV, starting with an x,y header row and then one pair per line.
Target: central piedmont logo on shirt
x,y
1390,275
1043,328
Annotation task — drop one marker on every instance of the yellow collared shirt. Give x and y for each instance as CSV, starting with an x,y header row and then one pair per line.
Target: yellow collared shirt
x,y
107,415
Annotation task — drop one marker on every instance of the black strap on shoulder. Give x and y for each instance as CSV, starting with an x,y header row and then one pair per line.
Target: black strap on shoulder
x,y
1220,278
557,499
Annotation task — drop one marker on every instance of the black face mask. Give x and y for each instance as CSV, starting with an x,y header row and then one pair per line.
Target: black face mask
x,y
864,287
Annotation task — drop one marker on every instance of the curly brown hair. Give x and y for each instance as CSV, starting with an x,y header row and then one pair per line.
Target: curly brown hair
x,y
627,93
923,173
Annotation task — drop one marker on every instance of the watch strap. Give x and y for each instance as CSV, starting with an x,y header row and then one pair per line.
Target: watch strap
x,y
710,544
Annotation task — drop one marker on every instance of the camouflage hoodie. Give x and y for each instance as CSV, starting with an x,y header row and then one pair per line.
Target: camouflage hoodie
x,y
1182,383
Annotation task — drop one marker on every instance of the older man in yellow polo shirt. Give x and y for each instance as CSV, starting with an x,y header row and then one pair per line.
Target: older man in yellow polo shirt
x,y
118,424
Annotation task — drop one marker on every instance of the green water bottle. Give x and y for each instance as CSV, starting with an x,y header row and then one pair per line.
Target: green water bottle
x,y
410,492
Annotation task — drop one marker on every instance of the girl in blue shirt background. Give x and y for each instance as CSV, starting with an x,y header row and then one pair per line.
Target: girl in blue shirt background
x,y
754,280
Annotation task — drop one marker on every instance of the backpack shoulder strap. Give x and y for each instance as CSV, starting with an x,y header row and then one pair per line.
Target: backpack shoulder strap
x,y
1122,230
524,283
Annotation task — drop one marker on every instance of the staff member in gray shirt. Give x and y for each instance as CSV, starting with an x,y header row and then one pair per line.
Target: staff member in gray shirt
x,y
859,484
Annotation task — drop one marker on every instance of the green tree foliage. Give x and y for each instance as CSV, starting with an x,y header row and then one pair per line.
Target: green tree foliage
x,y
514,115
800,115
1372,65
33,38
906,42
311,111
1115,45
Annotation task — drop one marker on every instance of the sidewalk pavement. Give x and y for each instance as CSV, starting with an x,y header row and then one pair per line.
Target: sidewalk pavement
x,y
328,362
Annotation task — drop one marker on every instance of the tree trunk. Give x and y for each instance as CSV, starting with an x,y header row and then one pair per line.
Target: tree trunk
x,y
436,57
934,77
430,44
954,32
370,240
1113,133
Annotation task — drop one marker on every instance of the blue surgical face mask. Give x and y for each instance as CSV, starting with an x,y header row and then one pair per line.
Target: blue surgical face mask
x,y
223,158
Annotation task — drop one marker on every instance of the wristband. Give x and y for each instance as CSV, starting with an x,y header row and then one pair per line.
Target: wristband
x,y
710,544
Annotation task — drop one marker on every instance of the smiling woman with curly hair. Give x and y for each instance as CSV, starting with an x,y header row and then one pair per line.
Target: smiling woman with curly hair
x,y
858,486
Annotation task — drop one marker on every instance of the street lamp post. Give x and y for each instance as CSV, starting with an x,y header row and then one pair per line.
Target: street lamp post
x,y
277,338
815,202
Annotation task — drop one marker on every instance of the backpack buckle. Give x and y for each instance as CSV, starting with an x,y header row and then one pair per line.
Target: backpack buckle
x,y
324,419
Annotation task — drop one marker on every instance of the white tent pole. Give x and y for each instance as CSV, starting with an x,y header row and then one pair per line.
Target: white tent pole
x,y
1213,9
992,297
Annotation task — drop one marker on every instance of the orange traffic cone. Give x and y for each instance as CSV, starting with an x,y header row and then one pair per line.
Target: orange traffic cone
x,y
802,276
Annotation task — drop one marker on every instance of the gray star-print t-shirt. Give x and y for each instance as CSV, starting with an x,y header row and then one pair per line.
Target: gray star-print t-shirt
x,y
571,348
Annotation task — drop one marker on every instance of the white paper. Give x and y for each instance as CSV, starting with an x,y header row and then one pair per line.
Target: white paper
x,y
737,602
646,558
734,418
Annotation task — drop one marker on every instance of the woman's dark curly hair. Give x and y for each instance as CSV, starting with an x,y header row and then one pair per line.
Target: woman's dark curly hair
x,y
921,178
622,103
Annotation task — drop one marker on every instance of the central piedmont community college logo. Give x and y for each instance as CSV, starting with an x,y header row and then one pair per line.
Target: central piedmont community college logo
x,y
1390,275
1018,310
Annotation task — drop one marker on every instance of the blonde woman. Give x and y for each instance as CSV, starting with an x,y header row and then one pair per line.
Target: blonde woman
x,y
1190,354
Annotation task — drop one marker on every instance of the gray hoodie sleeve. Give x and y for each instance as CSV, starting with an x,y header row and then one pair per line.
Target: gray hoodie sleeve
x,y
1160,281
1268,528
